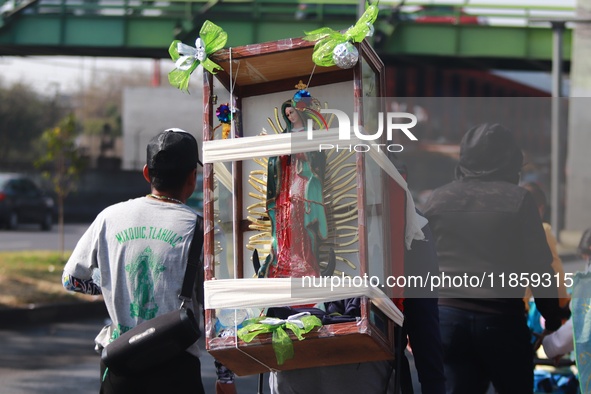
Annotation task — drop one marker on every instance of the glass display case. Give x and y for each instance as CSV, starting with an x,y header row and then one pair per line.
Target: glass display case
x,y
297,217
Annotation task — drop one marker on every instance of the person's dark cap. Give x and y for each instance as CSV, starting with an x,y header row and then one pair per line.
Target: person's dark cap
x,y
489,151
173,149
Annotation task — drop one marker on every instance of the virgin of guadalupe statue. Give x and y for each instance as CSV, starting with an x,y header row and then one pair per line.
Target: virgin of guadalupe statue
x,y
295,201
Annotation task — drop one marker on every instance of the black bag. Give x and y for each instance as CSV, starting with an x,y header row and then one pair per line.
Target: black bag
x,y
151,343
158,340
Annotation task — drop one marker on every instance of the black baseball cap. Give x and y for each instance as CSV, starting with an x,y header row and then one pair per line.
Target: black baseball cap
x,y
173,149
489,151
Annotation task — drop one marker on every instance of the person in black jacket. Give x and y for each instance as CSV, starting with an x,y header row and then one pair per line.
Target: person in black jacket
x,y
421,316
421,321
490,244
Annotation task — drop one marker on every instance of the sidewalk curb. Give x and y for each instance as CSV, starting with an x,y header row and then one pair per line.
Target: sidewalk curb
x,y
41,314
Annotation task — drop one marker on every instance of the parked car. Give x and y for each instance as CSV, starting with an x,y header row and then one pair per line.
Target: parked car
x,y
22,201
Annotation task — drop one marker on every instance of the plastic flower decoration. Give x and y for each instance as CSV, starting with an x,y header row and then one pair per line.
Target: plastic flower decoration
x,y
224,115
211,39
333,47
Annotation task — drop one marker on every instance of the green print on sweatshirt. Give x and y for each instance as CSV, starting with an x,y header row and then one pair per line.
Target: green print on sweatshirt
x,y
143,232
118,331
144,272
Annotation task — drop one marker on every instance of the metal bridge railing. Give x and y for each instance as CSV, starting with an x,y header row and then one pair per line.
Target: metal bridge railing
x,y
427,11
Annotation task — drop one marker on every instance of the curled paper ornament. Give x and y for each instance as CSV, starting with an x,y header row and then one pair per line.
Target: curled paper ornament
x,y
303,101
328,39
300,324
211,39
224,115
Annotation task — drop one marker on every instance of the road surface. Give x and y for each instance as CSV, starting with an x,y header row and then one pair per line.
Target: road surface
x,y
29,237
59,358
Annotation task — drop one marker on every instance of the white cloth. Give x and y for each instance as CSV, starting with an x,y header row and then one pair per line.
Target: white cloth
x,y
276,292
245,148
560,342
294,319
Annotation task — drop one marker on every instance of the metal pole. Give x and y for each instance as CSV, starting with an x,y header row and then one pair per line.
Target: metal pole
x,y
360,8
556,146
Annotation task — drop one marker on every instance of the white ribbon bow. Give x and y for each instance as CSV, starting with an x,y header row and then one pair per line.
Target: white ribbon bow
x,y
294,319
190,55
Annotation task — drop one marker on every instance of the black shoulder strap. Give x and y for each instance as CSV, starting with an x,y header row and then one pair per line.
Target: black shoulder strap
x,y
194,263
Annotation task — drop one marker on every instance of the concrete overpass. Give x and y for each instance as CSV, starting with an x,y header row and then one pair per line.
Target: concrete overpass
x,y
475,36
417,34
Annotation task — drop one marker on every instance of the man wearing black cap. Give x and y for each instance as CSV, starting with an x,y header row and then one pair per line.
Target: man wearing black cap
x,y
135,253
487,227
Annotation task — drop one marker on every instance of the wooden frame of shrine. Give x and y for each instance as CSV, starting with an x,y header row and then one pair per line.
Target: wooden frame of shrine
x,y
370,220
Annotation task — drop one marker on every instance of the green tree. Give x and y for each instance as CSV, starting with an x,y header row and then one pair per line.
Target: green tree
x,y
24,115
100,103
62,163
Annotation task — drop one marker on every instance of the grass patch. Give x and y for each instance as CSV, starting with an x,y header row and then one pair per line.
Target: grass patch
x,y
41,264
33,277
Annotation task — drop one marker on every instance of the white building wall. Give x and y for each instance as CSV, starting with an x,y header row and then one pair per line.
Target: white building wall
x,y
578,165
150,110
